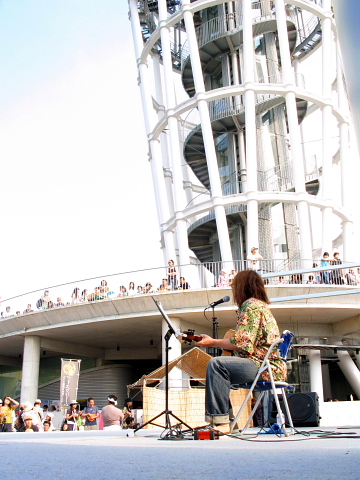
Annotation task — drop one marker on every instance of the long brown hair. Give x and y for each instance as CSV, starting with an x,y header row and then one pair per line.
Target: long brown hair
x,y
248,284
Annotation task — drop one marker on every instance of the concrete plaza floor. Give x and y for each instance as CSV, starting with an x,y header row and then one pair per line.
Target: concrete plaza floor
x,y
111,455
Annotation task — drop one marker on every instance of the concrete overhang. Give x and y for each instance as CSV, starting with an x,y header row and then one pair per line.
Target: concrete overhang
x,y
132,322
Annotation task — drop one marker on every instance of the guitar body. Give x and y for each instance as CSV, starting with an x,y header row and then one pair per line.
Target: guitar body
x,y
91,416
228,353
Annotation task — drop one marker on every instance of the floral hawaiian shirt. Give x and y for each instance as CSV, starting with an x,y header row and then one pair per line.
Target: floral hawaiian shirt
x,y
256,330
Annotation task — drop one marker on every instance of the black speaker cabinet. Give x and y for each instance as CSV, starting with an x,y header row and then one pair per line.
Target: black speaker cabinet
x,y
304,409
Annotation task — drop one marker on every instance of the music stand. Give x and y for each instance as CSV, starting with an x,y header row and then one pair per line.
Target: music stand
x,y
173,434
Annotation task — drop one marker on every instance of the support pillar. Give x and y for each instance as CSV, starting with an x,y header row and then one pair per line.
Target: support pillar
x,y
350,371
30,369
326,127
210,152
316,383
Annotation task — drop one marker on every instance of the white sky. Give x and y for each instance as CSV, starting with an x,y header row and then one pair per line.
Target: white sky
x,y
76,191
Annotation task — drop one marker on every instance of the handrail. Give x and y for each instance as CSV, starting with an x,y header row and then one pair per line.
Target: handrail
x,y
205,275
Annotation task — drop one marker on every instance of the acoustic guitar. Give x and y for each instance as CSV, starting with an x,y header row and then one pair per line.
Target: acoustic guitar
x,y
189,336
91,416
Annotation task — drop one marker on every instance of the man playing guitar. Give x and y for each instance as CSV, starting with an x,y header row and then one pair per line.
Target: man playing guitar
x,y
91,413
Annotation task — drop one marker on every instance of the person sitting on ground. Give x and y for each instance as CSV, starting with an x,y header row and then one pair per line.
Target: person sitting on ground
x,y
49,418
183,285
64,427
123,292
28,410
149,288
91,413
47,426
59,303
8,312
96,295
28,425
351,277
28,309
111,415
223,280
282,281
311,280
165,283
256,330
139,290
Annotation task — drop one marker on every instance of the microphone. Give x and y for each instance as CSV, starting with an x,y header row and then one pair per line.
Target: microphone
x,y
222,300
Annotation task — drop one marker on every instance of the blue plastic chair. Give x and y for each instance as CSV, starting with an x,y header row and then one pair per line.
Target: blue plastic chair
x,y
283,345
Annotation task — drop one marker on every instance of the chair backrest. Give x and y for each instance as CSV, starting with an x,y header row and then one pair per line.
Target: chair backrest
x,y
284,347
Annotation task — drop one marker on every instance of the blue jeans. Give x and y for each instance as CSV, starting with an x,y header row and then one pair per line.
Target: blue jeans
x,y
326,277
221,374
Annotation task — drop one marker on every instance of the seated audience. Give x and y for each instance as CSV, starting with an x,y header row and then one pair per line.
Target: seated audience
x,y
59,303
29,425
28,309
165,283
183,285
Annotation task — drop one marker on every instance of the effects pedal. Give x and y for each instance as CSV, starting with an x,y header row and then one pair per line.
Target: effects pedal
x,y
206,435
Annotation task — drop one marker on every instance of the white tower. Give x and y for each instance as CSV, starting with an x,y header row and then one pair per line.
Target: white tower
x,y
225,104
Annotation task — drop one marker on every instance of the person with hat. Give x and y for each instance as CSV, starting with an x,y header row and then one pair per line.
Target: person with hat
x,y
223,280
253,259
72,415
28,425
112,416
29,411
37,408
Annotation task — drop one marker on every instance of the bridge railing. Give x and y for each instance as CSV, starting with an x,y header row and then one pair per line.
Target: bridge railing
x,y
197,276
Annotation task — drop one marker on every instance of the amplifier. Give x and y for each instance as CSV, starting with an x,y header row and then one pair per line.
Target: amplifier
x,y
304,409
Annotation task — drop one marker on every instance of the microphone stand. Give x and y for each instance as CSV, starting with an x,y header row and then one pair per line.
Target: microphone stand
x,y
174,432
215,352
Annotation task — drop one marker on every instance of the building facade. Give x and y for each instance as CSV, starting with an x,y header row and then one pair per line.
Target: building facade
x,y
227,108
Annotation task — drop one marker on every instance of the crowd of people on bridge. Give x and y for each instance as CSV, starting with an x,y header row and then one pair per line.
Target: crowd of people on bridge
x,y
25,417
172,281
